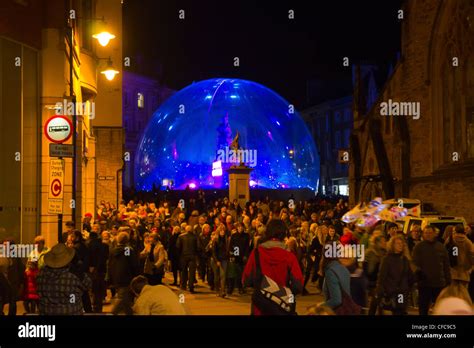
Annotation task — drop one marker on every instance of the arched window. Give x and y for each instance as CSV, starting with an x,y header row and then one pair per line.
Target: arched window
x,y
452,71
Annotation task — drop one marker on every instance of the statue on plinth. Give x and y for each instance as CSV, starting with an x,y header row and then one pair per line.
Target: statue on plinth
x,y
234,146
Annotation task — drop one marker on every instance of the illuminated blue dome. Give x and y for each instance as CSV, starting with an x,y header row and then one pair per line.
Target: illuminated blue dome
x,y
195,127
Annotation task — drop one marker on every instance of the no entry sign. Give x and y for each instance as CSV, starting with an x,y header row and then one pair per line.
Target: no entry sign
x,y
58,129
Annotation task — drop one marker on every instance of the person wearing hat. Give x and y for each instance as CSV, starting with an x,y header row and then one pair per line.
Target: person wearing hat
x,y
59,290
86,223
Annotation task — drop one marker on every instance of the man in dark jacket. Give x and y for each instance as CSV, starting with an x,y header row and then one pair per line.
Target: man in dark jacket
x,y
239,246
187,245
99,253
432,268
123,267
13,270
173,254
80,265
204,238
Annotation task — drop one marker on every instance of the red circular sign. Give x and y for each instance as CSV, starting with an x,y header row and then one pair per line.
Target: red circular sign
x,y
56,187
58,129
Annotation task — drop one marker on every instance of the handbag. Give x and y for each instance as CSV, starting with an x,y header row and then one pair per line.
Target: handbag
x,y
269,297
347,306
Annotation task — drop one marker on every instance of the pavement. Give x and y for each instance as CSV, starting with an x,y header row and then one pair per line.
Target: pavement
x,y
206,302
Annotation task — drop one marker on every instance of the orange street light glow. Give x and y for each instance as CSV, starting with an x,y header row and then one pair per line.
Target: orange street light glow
x,y
104,37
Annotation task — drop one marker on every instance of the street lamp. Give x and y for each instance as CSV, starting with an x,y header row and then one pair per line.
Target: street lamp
x,y
104,37
110,71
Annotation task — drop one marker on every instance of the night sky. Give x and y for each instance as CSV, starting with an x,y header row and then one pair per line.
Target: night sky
x,y
280,53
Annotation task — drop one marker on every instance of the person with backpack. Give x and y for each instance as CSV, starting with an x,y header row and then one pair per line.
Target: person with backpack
x,y
395,278
274,273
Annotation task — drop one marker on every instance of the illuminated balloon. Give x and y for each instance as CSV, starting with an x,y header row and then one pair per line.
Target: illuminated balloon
x,y
195,127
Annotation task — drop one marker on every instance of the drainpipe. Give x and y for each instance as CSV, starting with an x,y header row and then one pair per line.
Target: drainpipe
x,y
120,170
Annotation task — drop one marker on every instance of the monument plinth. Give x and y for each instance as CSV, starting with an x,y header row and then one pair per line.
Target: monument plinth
x,y
239,187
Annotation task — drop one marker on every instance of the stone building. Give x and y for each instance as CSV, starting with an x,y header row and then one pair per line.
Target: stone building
x,y
429,156
35,75
142,95
330,124
330,121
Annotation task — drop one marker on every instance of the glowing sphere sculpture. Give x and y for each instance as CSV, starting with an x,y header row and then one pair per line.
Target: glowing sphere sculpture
x,y
194,129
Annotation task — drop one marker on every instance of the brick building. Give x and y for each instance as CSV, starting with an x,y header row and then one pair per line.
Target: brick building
x,y
429,157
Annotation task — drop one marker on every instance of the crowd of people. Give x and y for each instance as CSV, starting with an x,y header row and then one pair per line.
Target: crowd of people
x,y
268,248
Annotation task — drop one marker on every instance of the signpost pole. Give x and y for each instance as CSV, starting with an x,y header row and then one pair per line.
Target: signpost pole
x,y
74,118
60,229
60,225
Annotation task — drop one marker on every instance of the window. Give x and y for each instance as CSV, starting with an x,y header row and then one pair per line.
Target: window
x,y
347,115
338,140
125,99
453,85
86,24
140,101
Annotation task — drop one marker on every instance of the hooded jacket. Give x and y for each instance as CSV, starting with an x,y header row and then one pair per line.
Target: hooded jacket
x,y
277,263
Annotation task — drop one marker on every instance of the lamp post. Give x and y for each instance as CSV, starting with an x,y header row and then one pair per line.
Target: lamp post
x,y
70,30
103,38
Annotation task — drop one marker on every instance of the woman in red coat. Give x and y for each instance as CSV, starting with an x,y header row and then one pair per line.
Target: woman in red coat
x,y
276,263
30,295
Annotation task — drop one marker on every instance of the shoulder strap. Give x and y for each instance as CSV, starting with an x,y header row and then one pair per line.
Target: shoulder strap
x,y
258,270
